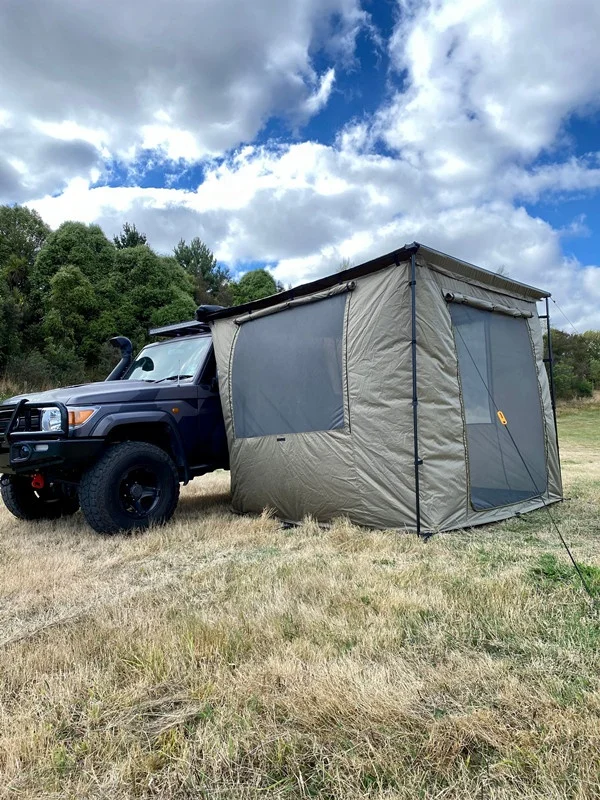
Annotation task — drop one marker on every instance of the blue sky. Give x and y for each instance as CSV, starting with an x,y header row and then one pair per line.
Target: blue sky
x,y
580,138
300,133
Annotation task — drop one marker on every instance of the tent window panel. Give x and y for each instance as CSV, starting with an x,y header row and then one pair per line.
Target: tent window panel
x,y
475,394
287,371
507,464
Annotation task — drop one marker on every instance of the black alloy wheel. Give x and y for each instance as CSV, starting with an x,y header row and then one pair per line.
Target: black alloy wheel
x,y
132,486
139,492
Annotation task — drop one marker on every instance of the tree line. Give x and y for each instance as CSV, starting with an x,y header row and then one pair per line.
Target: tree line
x,y
576,363
65,293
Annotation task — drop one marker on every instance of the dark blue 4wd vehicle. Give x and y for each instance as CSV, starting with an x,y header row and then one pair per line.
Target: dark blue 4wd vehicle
x,y
120,448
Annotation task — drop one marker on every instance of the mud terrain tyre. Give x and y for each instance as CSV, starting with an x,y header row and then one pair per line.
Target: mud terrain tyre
x,y
132,486
27,503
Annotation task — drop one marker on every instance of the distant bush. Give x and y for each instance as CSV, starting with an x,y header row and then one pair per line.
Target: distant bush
x,y
584,388
576,363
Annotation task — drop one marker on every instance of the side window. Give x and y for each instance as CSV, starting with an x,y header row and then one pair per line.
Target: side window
x,y
287,371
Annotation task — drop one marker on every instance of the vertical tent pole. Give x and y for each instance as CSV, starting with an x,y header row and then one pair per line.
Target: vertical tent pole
x,y
550,362
415,398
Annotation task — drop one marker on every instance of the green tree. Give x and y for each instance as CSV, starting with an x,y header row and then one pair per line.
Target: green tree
x,y
85,259
564,380
576,363
156,290
129,237
592,340
73,304
254,285
22,234
16,274
10,325
595,371
78,245
89,290
211,280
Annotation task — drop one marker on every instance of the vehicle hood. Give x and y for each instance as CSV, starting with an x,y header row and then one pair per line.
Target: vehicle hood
x,y
107,392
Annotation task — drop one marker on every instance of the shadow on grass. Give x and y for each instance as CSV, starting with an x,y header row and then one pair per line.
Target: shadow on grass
x,y
212,503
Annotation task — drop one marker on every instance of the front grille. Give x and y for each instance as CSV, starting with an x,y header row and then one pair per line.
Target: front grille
x,y
29,420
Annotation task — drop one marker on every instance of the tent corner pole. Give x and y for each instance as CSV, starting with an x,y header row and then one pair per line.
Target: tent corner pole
x,y
415,396
550,362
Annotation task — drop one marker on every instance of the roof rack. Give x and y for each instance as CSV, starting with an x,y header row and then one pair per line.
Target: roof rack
x,y
181,329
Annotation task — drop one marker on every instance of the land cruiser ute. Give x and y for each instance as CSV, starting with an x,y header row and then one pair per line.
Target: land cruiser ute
x,y
120,448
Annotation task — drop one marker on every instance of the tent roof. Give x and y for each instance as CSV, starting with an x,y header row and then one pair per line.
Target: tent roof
x,y
444,263
469,272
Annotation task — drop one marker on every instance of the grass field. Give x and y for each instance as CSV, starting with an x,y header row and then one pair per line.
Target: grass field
x,y
225,657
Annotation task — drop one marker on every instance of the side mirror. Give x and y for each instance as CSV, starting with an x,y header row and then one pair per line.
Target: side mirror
x,y
146,364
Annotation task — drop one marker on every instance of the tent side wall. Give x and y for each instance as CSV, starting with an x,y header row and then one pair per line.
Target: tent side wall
x,y
380,376
284,472
365,469
445,474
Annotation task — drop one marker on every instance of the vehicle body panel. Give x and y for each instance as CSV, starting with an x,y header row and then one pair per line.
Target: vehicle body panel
x,y
188,410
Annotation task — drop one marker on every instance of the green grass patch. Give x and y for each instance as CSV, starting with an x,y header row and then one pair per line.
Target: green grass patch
x,y
550,572
580,426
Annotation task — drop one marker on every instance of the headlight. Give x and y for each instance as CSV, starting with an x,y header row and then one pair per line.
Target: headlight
x,y
51,420
77,416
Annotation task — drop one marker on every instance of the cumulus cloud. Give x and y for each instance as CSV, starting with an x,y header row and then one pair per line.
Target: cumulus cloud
x,y
489,79
31,164
484,89
576,174
191,78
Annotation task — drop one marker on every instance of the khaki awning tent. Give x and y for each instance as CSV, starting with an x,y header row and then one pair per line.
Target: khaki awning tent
x,y
409,392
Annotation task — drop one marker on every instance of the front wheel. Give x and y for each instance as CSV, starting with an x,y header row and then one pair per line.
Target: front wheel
x,y
133,485
25,502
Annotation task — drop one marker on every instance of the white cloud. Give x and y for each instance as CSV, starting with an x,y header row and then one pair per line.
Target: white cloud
x,y
487,87
576,174
491,79
318,100
70,131
174,143
191,78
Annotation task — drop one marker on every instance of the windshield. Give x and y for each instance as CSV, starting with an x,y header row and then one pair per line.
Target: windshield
x,y
177,358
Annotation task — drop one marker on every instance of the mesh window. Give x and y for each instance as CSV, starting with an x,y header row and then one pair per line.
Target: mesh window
x,y
287,371
507,463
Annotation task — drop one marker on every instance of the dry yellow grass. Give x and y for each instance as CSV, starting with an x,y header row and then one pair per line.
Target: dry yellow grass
x,y
226,657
